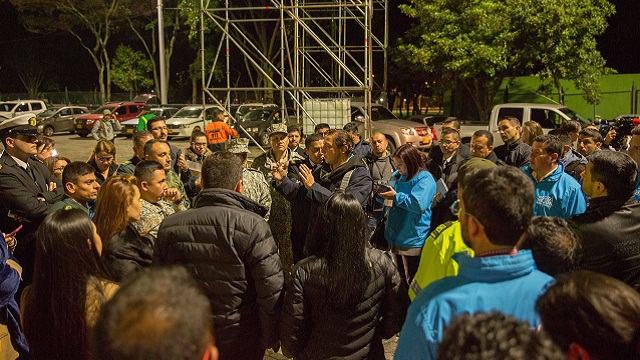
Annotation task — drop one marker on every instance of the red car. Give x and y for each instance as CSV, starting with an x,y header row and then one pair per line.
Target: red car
x,y
122,111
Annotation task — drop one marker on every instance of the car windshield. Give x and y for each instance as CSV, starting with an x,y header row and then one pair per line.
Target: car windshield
x,y
48,112
256,115
102,108
7,106
381,113
574,115
141,98
188,113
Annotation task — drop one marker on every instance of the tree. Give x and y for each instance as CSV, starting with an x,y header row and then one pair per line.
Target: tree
x,y
130,70
145,28
478,44
90,21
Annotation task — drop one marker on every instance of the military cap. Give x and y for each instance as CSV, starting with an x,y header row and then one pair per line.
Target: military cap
x,y
277,128
473,164
23,124
238,146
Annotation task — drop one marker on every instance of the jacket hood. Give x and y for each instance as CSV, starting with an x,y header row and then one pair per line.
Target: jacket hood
x,y
219,196
495,268
572,156
353,162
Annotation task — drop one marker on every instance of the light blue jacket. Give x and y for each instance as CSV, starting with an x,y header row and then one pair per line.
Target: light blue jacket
x,y
507,283
636,193
558,195
409,218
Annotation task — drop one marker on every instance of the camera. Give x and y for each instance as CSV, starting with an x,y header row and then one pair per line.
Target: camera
x,y
622,124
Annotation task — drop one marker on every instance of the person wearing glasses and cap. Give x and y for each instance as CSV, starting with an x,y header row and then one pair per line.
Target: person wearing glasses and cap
x,y
27,188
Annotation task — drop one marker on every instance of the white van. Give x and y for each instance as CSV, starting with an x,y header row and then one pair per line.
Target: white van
x,y
11,109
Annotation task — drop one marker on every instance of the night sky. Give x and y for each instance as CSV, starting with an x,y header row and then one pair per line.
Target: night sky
x,y
71,65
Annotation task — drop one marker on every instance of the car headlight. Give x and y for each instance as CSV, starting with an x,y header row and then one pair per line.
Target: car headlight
x,y
408,131
89,122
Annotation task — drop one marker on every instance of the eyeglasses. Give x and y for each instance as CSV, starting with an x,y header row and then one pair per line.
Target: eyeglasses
x,y
199,144
448,142
105,159
61,168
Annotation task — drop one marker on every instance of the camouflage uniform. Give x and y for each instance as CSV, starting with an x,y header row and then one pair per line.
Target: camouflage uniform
x,y
151,215
174,182
256,188
280,217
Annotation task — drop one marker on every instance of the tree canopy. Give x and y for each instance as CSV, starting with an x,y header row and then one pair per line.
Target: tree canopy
x,y
479,43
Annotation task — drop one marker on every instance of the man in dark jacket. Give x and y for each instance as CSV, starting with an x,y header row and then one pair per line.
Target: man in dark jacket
x,y
514,151
348,173
381,168
482,147
609,228
228,246
27,189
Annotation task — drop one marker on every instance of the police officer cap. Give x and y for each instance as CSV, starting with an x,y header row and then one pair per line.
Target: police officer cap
x,y
238,146
277,128
23,124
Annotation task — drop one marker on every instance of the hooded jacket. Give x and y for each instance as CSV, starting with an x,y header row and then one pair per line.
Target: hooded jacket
x,y
557,195
608,231
360,184
228,245
313,329
409,218
574,164
507,283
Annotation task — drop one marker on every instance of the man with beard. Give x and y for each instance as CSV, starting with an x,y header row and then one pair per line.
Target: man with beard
x,y
494,207
348,173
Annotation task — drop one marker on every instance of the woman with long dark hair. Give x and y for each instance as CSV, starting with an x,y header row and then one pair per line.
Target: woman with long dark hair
x,y
410,195
343,299
70,284
117,208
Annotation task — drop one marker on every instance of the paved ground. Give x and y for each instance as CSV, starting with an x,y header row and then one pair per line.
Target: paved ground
x,y
389,350
79,149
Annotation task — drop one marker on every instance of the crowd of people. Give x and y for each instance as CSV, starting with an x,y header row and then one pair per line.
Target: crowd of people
x,y
530,249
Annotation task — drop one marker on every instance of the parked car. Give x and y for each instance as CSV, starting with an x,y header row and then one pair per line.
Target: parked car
x,y
257,121
244,109
131,126
123,112
398,132
59,119
11,109
549,116
182,123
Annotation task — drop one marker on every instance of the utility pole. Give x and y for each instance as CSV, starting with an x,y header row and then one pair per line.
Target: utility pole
x,y
163,70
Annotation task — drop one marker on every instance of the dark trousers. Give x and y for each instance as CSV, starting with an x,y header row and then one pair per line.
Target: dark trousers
x,y
407,266
237,352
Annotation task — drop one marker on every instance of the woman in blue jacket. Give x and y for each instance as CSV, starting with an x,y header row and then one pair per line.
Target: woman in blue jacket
x,y
411,192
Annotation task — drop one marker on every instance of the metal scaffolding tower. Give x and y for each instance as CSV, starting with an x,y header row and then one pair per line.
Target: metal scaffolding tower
x,y
295,50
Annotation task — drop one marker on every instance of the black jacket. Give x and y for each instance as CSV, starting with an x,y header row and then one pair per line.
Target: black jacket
x,y
313,329
609,231
228,245
128,252
517,153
